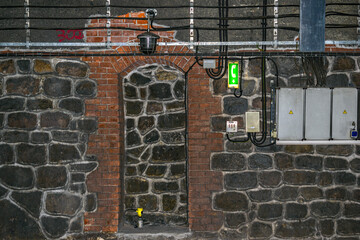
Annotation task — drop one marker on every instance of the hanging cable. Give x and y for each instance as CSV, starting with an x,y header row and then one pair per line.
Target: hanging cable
x,y
260,142
247,138
253,138
223,36
240,81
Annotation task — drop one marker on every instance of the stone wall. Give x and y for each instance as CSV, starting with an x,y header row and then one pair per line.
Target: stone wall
x,y
43,144
155,164
286,191
235,190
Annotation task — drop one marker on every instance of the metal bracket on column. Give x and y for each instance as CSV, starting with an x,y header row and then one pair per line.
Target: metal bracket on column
x,y
276,25
191,23
27,22
108,14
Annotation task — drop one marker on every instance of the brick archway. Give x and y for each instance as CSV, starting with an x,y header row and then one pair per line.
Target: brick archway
x,y
108,143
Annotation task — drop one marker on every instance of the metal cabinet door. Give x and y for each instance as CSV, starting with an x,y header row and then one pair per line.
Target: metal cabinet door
x,y
290,113
345,101
317,114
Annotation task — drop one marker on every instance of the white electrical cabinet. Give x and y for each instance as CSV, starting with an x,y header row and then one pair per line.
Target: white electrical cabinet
x,y
290,113
344,114
317,113
317,116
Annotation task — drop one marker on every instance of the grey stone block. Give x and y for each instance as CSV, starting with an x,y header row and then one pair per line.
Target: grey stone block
x,y
260,161
231,201
260,230
22,120
72,69
55,226
85,88
270,211
56,120
171,121
62,203
73,105
168,153
39,104
7,67
23,85
31,155
63,153
299,177
22,226
50,177
309,162
295,229
228,161
163,187
294,211
348,227
337,193
23,65
136,185
17,177
57,87
244,180
8,104
7,154
31,201
235,106
139,80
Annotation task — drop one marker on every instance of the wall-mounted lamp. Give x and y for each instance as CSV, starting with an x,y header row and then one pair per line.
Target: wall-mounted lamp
x,y
147,39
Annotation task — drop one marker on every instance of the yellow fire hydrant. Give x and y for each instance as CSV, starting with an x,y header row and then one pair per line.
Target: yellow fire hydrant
x,y
140,221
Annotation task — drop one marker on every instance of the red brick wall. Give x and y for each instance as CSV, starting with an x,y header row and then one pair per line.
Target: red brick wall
x,y
202,181
108,142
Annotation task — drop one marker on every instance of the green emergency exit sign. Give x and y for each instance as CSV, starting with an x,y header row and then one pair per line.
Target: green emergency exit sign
x,y
233,75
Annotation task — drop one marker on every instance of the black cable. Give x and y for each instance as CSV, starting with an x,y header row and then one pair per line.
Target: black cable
x,y
254,140
237,141
276,70
252,136
223,35
197,48
261,145
334,13
240,81
263,84
176,6
156,29
145,7
342,4
51,53
341,26
247,18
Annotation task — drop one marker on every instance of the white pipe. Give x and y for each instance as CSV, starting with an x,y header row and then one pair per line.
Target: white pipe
x,y
319,142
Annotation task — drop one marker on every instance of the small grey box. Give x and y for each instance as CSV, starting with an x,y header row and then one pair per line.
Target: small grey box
x,y
252,121
209,63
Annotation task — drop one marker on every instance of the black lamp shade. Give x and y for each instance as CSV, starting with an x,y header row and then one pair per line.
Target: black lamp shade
x,y
148,42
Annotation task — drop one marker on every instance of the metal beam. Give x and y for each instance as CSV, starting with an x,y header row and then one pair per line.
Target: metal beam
x,y
129,44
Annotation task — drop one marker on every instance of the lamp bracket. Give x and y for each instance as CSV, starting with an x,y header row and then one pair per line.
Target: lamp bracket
x,y
151,13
